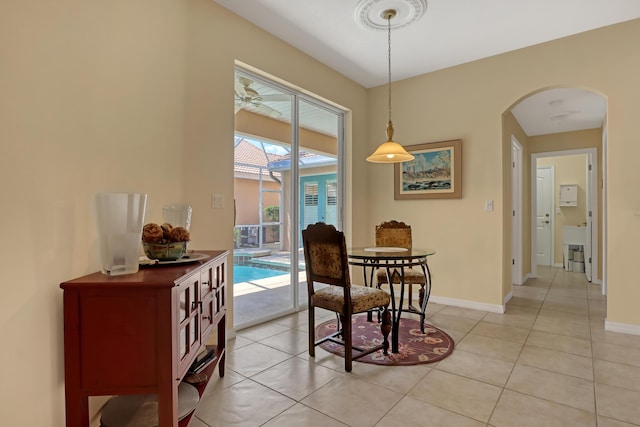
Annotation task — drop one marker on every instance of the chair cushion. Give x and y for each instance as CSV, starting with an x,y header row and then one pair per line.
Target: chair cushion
x,y
411,275
326,260
362,298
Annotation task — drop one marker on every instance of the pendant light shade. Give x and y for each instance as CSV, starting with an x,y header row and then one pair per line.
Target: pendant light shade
x,y
390,151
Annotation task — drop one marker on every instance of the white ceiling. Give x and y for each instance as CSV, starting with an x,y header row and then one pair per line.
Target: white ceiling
x,y
450,33
560,110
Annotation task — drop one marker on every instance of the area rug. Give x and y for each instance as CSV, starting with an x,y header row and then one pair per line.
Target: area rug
x,y
414,347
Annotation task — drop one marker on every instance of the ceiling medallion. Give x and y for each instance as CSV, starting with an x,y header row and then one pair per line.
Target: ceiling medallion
x,y
370,13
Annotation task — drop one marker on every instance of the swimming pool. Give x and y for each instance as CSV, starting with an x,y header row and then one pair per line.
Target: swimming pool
x,y
246,273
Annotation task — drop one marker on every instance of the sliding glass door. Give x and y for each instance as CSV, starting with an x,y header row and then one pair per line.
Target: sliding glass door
x,y
287,173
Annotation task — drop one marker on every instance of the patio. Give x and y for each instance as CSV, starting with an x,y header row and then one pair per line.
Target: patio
x,y
256,299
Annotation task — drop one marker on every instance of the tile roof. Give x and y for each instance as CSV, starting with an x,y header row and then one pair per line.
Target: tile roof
x,y
248,158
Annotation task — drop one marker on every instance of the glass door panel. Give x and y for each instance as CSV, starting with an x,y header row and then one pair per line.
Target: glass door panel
x,y
319,195
274,126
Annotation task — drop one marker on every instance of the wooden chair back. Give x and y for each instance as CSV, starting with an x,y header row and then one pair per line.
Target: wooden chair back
x,y
327,262
393,234
325,256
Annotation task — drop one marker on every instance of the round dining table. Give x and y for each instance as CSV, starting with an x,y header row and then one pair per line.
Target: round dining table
x,y
394,261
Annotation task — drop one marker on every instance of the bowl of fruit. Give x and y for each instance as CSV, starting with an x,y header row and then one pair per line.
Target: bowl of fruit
x,y
164,242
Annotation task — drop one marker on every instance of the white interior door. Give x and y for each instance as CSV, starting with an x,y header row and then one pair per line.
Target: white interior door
x,y
588,238
544,219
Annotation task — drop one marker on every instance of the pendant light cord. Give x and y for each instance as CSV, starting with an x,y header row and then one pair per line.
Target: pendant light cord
x,y
389,59
389,151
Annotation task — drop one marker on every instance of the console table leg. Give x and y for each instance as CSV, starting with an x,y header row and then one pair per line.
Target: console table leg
x,y
221,365
77,410
222,343
168,406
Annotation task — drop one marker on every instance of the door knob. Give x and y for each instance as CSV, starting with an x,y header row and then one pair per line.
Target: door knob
x,y
546,222
547,215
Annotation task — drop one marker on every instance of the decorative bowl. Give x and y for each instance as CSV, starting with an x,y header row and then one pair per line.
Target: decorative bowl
x,y
169,251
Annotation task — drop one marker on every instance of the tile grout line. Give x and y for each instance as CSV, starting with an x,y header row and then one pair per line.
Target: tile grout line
x,y
504,387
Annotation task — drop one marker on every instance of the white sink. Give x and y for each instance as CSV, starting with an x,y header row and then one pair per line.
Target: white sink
x,y
574,235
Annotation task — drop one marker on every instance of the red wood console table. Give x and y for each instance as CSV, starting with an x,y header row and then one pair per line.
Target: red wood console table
x,y
139,333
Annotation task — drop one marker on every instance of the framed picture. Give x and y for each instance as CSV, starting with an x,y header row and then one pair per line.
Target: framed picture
x,y
435,173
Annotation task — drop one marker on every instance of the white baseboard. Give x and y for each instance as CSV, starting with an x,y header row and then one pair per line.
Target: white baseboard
x,y
623,328
507,298
523,280
492,308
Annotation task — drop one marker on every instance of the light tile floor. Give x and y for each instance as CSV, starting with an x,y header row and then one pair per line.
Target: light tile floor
x,y
546,362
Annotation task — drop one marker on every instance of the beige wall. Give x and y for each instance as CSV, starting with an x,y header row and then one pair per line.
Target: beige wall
x,y
92,100
468,102
137,96
117,96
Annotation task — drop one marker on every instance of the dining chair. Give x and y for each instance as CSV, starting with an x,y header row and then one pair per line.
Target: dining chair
x,y
329,287
398,234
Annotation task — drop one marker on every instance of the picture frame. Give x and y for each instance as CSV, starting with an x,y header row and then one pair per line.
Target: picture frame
x,y
435,173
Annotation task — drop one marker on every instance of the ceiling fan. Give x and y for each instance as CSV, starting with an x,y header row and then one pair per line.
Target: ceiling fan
x,y
249,98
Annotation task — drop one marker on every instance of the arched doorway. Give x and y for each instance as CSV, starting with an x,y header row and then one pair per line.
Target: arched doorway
x,y
555,124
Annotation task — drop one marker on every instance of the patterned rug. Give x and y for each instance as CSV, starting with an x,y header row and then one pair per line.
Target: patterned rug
x,y
414,347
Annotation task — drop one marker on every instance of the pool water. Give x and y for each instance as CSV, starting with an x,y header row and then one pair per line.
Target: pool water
x,y
245,273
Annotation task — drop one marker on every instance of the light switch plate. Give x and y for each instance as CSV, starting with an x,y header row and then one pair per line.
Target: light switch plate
x,y
488,205
217,201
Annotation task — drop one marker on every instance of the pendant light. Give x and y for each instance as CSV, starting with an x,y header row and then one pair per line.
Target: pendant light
x,y
390,151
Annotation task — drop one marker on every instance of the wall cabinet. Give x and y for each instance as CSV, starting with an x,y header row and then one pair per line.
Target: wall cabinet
x,y
569,195
139,333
